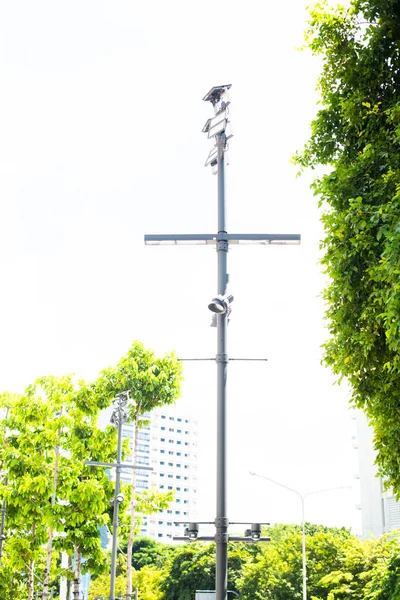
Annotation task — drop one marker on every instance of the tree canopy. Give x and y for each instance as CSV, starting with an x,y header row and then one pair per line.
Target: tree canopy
x,y
355,137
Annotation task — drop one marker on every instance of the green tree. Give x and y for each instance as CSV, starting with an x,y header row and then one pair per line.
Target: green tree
x,y
276,572
356,138
192,567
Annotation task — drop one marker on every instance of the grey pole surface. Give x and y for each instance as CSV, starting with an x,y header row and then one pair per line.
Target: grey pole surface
x,y
116,504
221,521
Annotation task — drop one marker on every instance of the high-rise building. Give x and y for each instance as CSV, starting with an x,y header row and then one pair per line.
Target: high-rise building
x,y
380,511
169,445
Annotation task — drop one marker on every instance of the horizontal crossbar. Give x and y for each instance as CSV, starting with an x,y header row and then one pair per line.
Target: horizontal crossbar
x,y
213,238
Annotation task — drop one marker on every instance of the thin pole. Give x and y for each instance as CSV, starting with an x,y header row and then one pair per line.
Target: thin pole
x,y
116,504
303,549
221,521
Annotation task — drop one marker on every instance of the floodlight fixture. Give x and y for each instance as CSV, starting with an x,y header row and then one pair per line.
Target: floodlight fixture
x,y
119,498
212,157
218,94
220,304
192,531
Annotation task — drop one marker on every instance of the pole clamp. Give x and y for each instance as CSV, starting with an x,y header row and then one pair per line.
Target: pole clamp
x,y
221,358
222,538
222,245
221,522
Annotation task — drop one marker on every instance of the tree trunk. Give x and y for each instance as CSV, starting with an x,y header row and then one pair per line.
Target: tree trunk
x,y
77,573
132,508
31,579
31,568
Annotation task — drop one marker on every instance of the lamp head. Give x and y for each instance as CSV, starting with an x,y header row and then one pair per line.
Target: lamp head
x,y
217,94
220,304
192,531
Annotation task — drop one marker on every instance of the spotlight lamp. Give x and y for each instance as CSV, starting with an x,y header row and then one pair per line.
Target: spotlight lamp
x,y
221,304
192,531
119,498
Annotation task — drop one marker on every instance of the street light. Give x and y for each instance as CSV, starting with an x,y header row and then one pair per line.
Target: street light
x,y
303,530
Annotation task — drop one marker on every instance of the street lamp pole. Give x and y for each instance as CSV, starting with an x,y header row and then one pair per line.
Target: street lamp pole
x,y
217,129
118,418
303,523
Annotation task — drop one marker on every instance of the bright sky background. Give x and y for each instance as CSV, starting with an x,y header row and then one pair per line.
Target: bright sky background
x,y
101,117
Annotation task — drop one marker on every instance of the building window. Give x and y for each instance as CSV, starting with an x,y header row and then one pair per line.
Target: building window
x,y
178,489
179,442
186,466
170,487
171,418
171,441
162,451
186,443
163,417
161,474
160,534
179,419
186,490
170,476
170,452
186,433
162,428
162,462
179,465
169,523
179,453
186,421
177,512
171,429
170,464
169,512
178,477
185,501
161,487
160,522
179,430
162,439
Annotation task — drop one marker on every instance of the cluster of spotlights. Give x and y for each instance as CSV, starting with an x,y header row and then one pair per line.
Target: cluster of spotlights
x,y
219,124
252,534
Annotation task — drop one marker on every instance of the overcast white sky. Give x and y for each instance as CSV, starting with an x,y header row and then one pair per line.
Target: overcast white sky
x,y
101,117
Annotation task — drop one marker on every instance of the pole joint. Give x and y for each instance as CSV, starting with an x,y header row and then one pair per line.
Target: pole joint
x,y
221,538
221,522
222,245
222,357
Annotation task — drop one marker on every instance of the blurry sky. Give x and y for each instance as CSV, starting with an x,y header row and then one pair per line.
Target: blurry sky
x,y
100,121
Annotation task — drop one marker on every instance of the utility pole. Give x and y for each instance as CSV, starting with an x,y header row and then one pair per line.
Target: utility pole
x,y
217,129
118,418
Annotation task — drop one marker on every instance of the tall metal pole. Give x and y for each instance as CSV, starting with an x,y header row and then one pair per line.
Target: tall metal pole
x,y
3,522
116,503
221,521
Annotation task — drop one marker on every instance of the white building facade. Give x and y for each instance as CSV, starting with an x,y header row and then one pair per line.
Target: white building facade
x,y
380,511
169,445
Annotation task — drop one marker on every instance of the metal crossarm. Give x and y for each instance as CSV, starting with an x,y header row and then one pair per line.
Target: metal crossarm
x,y
172,239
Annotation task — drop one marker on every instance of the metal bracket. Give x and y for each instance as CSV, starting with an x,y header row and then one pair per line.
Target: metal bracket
x,y
222,245
221,358
221,522
222,538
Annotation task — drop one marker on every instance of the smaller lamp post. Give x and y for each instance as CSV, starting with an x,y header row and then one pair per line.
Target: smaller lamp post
x,y
118,418
303,525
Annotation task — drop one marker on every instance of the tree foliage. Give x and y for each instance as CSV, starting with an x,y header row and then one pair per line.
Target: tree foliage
x,y
356,138
52,496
